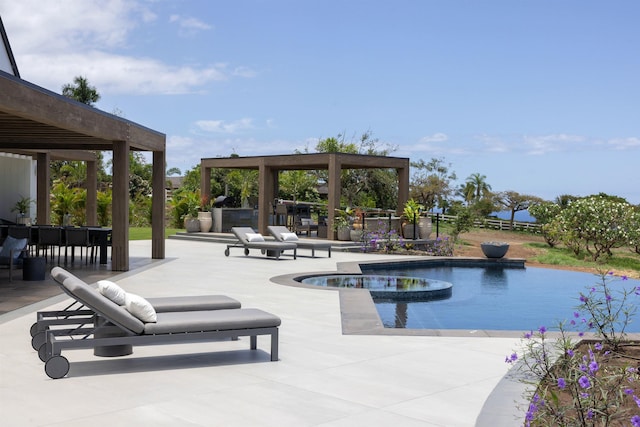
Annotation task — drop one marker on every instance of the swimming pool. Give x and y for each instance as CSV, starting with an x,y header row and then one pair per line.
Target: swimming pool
x,y
491,298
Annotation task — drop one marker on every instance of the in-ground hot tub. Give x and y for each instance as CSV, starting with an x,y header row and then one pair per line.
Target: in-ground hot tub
x,y
398,288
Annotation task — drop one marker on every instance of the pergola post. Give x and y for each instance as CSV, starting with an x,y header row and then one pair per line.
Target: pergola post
x,y
266,194
43,204
403,188
120,194
334,184
158,200
92,193
205,180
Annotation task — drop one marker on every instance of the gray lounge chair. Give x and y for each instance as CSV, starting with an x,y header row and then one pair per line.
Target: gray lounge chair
x,y
115,326
280,233
77,314
247,239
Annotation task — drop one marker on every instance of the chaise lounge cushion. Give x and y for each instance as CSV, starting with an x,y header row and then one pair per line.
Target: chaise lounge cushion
x,y
254,237
193,303
140,307
289,237
218,320
90,297
11,243
112,291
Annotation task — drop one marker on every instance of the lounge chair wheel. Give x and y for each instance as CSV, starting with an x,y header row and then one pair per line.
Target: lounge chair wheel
x,y
34,329
37,340
246,251
57,367
226,252
42,352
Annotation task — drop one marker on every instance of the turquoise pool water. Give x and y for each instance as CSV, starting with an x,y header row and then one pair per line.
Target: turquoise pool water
x,y
493,298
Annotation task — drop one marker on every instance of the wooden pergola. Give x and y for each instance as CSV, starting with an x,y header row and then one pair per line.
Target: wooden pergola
x,y
269,166
47,126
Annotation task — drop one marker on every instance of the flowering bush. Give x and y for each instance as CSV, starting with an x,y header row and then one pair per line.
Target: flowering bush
x,y
440,247
585,385
593,224
381,238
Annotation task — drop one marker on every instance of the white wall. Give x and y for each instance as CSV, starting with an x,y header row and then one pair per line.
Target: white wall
x,y
17,180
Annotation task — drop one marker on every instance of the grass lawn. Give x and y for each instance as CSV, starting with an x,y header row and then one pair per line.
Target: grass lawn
x,y
144,233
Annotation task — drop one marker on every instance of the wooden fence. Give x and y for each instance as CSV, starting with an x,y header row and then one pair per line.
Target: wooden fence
x,y
496,224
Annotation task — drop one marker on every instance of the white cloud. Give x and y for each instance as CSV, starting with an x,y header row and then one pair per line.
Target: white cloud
x,y
543,144
53,43
624,143
220,126
189,26
436,137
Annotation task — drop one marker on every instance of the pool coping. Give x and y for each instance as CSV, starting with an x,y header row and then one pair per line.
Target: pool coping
x,y
357,309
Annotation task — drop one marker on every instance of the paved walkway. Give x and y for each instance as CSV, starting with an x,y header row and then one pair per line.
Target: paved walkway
x,y
323,377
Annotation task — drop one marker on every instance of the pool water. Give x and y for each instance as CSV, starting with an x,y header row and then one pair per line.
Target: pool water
x,y
495,298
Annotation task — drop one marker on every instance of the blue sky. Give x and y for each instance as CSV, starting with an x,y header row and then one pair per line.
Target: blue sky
x,y
540,96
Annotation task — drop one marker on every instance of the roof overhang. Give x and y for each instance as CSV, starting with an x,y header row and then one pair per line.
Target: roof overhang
x,y
34,118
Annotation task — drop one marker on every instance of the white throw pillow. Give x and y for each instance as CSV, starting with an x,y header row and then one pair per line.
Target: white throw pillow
x,y
289,237
140,308
112,291
255,237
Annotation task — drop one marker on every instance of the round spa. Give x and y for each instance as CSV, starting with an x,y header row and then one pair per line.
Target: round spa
x,y
399,288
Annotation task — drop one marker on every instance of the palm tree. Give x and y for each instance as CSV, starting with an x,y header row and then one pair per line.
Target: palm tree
x,y
81,91
479,183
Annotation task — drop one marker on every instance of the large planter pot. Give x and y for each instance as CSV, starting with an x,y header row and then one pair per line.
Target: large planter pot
x,y
407,231
355,235
217,220
192,225
494,249
425,227
344,233
205,221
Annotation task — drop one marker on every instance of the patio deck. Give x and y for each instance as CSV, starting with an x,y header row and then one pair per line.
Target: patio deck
x,y
323,377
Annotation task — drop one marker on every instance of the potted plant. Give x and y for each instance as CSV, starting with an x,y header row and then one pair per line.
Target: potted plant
x,y
341,225
357,224
494,249
187,206
411,215
204,215
22,207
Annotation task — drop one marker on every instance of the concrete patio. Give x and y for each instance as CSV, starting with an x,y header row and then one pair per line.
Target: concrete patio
x,y
323,377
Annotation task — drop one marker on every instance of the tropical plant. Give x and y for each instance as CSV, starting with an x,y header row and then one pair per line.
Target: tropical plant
x,y
22,205
412,210
340,220
64,202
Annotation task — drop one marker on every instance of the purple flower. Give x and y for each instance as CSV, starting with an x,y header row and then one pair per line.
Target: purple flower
x,y
512,358
608,297
635,421
583,367
598,346
610,273
542,330
570,352
583,298
589,414
576,314
625,277
580,334
637,399
628,391
528,335
562,383
573,322
585,383
593,367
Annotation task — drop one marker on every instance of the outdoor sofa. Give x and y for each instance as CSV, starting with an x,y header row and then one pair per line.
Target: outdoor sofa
x,y
130,325
282,234
249,239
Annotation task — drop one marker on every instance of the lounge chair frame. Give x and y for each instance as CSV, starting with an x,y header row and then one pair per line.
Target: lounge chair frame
x,y
271,248
277,230
100,330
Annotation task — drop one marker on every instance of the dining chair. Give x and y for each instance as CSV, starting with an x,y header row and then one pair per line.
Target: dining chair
x,y
78,237
48,238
